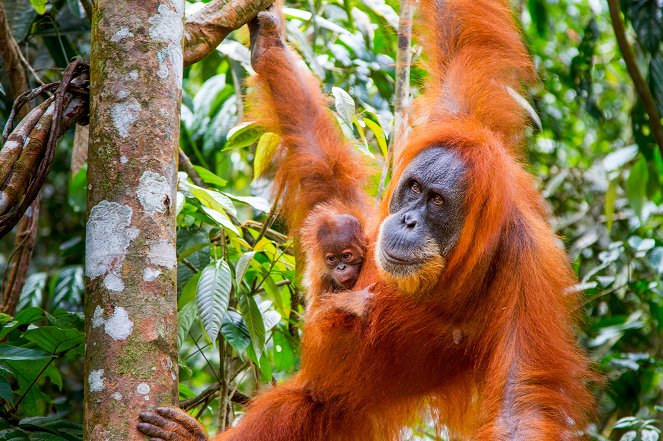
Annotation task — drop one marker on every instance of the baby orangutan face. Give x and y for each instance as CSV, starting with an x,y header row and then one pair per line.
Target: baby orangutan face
x,y
342,248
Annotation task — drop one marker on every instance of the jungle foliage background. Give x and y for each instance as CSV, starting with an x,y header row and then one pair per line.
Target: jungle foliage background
x,y
593,154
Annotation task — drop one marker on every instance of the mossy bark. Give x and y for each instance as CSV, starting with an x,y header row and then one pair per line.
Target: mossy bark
x,y
131,302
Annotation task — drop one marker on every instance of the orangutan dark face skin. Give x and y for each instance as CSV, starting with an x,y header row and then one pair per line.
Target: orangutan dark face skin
x,y
427,212
343,248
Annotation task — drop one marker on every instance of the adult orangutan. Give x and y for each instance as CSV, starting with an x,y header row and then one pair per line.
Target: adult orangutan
x,y
470,316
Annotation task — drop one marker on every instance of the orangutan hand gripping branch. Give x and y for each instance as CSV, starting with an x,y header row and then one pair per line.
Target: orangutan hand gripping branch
x,y
469,315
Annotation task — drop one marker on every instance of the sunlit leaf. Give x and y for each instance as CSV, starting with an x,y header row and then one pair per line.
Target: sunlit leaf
x,y
243,134
322,22
256,202
242,265
39,5
265,151
345,105
379,135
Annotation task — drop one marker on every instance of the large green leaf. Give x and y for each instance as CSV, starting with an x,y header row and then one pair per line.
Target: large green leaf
x,y
235,332
265,151
69,287
647,20
243,134
345,105
15,353
185,318
636,187
254,322
242,265
55,340
212,296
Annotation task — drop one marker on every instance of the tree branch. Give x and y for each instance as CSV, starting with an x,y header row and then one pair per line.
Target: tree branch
x,y
638,80
402,91
205,29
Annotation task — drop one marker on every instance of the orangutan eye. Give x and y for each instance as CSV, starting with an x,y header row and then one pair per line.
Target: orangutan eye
x,y
415,187
437,200
347,255
331,259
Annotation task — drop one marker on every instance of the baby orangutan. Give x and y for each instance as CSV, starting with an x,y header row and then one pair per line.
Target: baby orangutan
x,y
334,242
335,246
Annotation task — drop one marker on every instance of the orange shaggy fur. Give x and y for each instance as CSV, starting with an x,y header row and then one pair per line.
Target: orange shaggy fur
x,y
488,348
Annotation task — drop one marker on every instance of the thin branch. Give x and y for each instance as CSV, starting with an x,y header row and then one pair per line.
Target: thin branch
x,y
204,30
608,291
641,88
189,404
402,92
187,166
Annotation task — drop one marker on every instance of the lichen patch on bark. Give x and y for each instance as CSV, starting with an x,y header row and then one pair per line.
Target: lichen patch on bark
x,y
124,115
108,235
121,35
154,192
150,274
117,326
143,389
162,253
162,29
96,380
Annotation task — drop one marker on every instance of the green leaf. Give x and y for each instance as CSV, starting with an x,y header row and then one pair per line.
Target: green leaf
x,y
243,134
188,294
538,12
64,429
213,199
221,219
28,315
55,340
609,206
13,435
6,391
69,287
322,22
256,202
271,319
254,322
185,318
235,332
636,186
242,265
265,151
212,296
39,5
285,358
210,178
379,135
345,105
647,21
15,353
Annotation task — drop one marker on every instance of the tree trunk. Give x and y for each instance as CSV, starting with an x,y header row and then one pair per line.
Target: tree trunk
x,y
130,266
